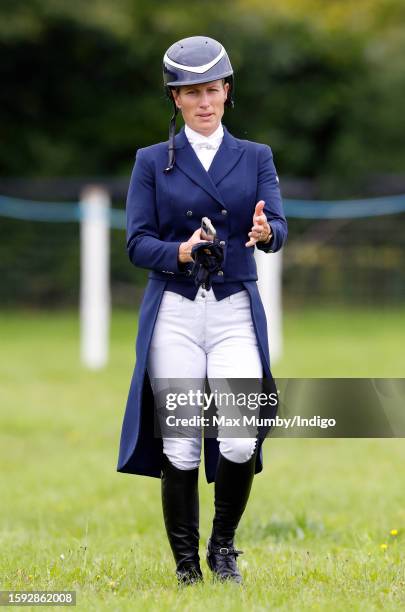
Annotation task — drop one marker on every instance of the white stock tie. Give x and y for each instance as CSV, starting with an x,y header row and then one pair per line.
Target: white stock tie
x,y
206,145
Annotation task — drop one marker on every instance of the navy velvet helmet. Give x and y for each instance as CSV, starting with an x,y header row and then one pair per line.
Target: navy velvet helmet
x,y
193,60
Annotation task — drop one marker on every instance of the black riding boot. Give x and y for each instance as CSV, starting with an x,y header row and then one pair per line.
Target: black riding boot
x,y
181,515
233,482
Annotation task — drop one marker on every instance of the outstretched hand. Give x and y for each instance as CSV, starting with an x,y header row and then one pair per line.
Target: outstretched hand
x,y
261,230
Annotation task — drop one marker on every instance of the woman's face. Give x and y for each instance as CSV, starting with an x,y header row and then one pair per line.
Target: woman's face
x,y
202,105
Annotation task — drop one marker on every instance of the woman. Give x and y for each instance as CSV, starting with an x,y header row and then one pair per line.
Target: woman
x,y
188,332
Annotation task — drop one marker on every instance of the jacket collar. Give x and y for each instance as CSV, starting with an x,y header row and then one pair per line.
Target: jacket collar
x,y
225,159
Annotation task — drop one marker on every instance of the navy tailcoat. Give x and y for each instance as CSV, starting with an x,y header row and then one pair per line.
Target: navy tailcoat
x,y
163,210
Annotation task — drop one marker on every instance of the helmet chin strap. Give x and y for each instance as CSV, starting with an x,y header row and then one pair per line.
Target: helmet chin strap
x,y
172,134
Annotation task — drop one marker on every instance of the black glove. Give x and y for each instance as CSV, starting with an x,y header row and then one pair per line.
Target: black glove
x,y
208,257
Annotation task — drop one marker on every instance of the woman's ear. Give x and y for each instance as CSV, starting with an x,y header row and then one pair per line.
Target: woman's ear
x,y
175,95
226,89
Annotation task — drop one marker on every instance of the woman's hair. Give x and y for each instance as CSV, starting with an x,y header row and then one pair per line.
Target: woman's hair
x,y
177,89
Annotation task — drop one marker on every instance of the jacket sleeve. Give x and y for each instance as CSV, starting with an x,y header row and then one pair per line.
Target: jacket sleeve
x,y
268,190
144,247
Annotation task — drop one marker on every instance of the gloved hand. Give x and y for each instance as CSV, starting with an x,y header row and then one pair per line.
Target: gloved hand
x,y
208,257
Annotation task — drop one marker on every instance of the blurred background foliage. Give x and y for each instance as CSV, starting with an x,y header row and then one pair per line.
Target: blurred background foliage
x,y
322,82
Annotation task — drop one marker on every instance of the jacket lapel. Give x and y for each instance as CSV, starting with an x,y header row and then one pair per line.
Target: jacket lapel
x,y
188,162
226,158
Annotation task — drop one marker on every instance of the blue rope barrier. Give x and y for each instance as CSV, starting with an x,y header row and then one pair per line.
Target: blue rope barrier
x,y
344,209
117,218
68,212
29,210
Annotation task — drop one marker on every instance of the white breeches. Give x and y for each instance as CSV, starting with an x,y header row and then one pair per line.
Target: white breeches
x,y
200,338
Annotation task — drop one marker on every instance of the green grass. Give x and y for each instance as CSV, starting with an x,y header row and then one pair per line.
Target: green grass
x,y
315,522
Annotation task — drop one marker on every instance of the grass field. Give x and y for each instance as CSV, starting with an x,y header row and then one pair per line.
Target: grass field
x,y
317,529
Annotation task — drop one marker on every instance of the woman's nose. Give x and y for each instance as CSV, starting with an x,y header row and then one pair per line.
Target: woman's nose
x,y
204,100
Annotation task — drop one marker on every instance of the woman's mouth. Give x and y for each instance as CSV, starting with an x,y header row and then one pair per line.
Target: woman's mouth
x,y
205,115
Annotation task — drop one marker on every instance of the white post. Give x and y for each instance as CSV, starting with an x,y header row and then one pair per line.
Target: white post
x,y
94,277
269,271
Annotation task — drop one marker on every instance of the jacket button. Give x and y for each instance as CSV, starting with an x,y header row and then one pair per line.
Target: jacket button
x,y
222,243
220,273
224,212
189,213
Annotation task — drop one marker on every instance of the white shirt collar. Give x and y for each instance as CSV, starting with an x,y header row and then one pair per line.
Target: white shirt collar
x,y
195,137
